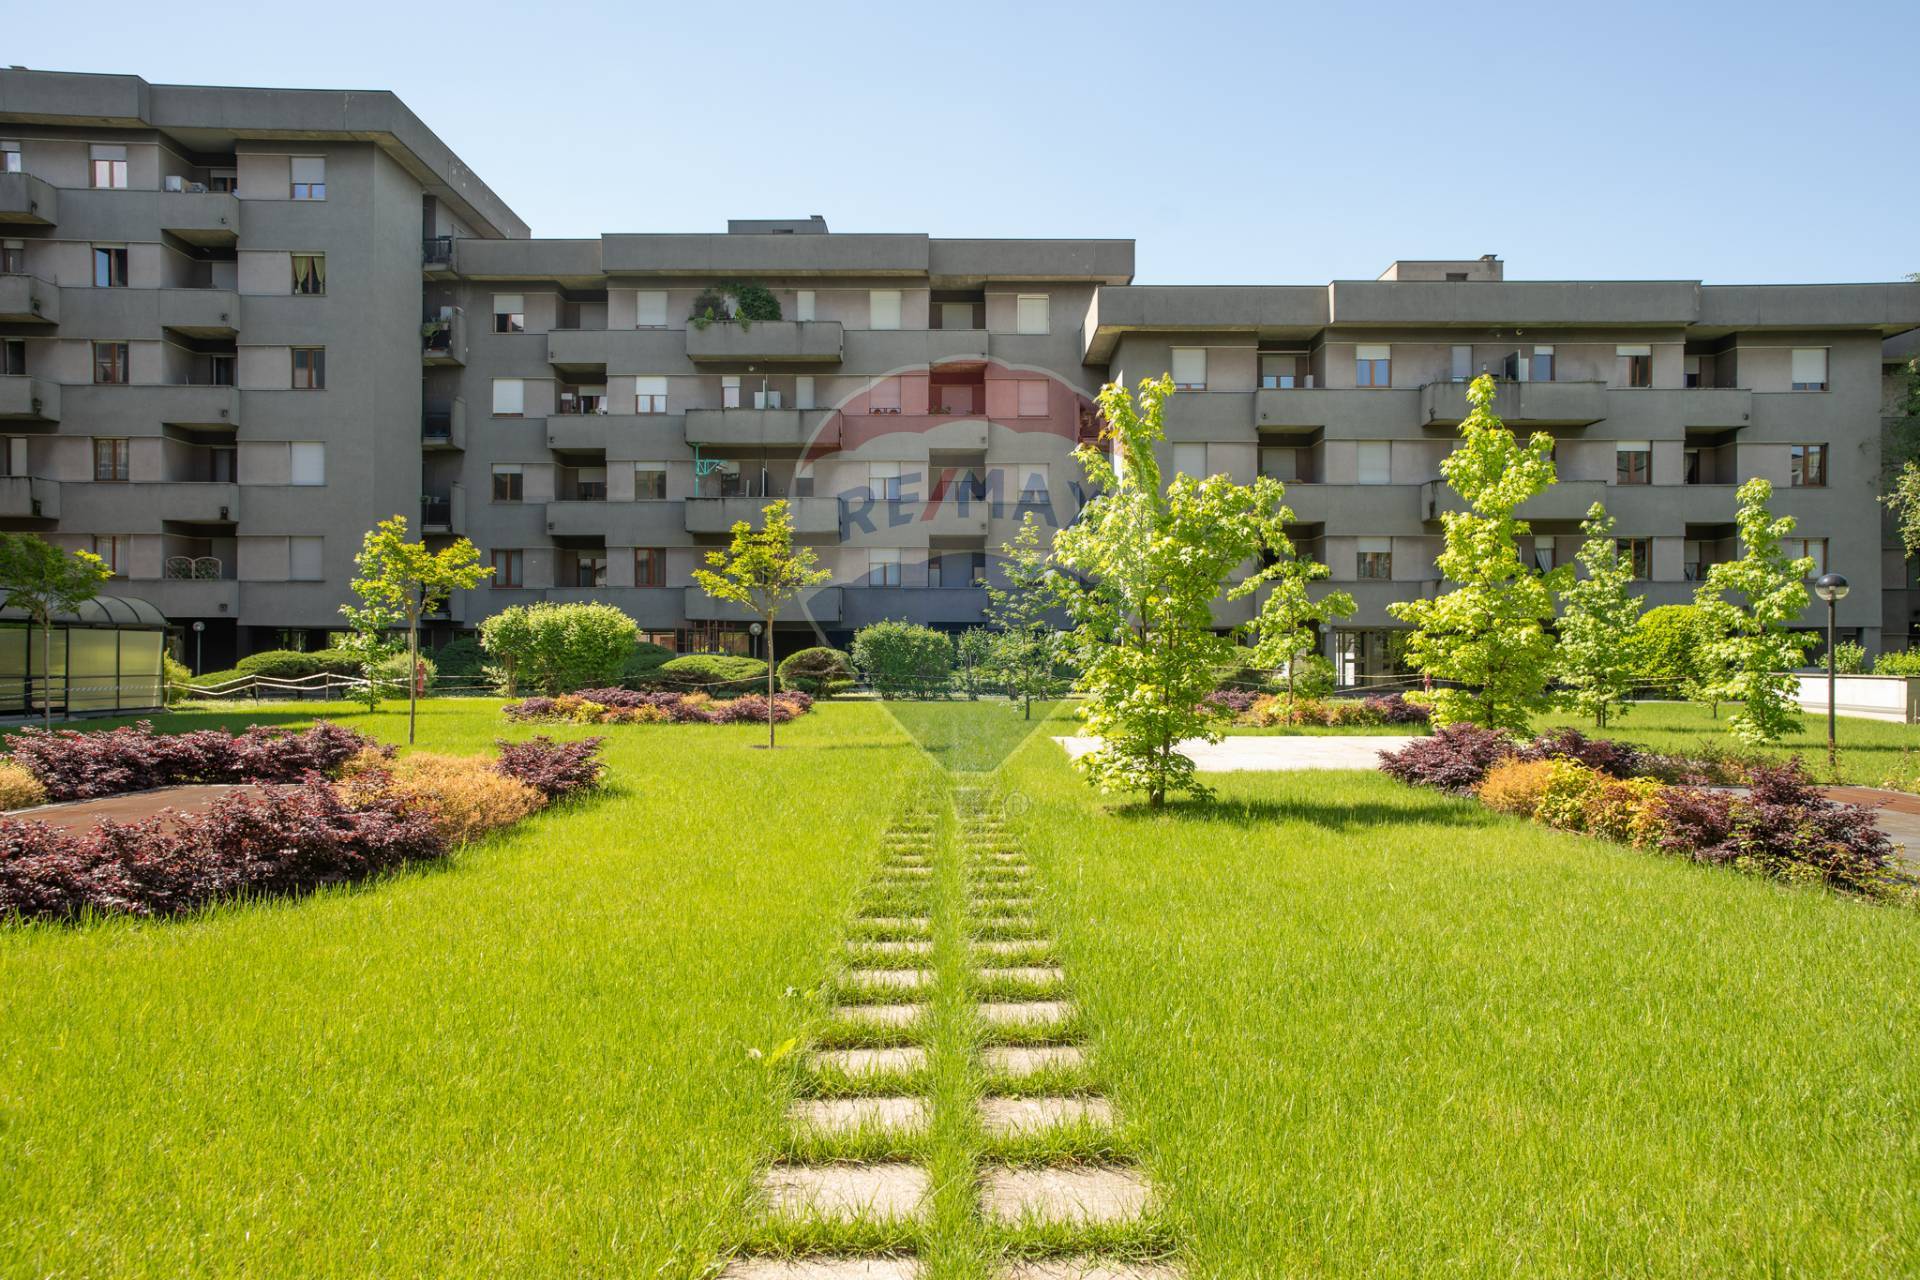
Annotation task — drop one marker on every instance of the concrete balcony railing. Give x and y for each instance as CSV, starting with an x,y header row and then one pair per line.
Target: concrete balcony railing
x,y
771,428
28,299
772,341
196,501
210,218
192,597
29,399
443,340
27,201
822,605
1567,500
1346,412
1520,403
577,517
929,606
445,428
811,516
29,498
200,313
581,432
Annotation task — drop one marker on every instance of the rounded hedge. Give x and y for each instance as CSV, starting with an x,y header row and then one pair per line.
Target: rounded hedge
x,y
291,664
817,671
719,674
646,658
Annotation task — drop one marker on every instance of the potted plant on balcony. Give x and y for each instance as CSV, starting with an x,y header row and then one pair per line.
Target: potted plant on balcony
x,y
739,302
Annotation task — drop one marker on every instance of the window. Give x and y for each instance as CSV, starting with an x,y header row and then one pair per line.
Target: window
x,y
1191,460
304,559
1633,366
803,305
113,547
110,362
223,181
110,458
1814,549
1809,466
730,392
309,368
1373,462
508,482
884,396
13,458
589,570
1032,398
649,567
1809,368
220,370
1694,466
960,569
1541,367
1696,373
883,566
1633,462
509,568
1543,554
13,256
109,266
650,309
803,392
1189,368
587,398
109,165
1373,365
1375,559
310,274
1030,313
1461,367
883,481
883,309
9,157
1284,372
308,462
650,394
590,484
509,397
509,313
1693,562
649,482
1639,552
309,177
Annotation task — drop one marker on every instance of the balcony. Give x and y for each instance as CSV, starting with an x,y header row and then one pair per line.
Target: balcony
x,y
28,299
207,218
29,399
436,256
200,313
1342,412
579,432
951,516
445,428
197,501
26,201
1569,404
811,516
194,587
570,517
441,512
443,340
929,606
772,341
1567,500
821,605
29,498
769,428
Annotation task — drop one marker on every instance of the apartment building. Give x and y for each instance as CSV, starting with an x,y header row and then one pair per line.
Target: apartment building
x,y
241,325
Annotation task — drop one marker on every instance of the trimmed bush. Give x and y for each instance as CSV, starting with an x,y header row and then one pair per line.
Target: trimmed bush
x,y
559,647
1617,759
900,658
715,673
1516,786
817,671
19,789
290,664
1455,758
460,663
81,766
394,671
468,796
646,659
554,769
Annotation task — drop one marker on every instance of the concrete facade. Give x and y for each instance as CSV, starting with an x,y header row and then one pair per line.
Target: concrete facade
x,y
594,417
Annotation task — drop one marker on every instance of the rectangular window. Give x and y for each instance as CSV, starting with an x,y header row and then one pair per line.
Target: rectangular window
x,y
1695,372
1814,549
650,309
1542,370
109,266
110,458
884,396
310,274
650,394
13,356
1809,466
956,315
730,391
1543,556
112,547
1189,368
509,313
308,462
309,177
883,309
883,481
304,556
1190,460
803,304
649,482
883,566
1031,313
109,166
590,484
1633,365
1373,462
1639,552
1284,372
803,392
14,456
589,570
9,157
509,484
1460,368
509,397
509,568
1373,365
1809,368
1693,561
1032,398
110,362
587,398
649,567
1375,558
1633,462
13,257
310,368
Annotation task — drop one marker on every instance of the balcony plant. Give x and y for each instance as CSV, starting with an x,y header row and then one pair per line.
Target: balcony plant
x,y
739,302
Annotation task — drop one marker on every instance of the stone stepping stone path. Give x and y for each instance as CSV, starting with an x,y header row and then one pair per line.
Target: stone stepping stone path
x,y
947,1111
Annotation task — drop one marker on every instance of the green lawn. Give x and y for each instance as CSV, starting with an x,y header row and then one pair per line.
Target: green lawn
x,y
1871,751
530,1062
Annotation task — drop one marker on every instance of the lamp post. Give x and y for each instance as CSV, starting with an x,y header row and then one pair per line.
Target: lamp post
x,y
199,639
1832,588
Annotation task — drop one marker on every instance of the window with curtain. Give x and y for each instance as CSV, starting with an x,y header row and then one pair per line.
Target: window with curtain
x,y
649,566
1374,558
883,481
1812,548
1633,462
1633,365
108,166
309,175
110,362
110,458
310,273
509,567
883,566
112,548
1809,368
1373,365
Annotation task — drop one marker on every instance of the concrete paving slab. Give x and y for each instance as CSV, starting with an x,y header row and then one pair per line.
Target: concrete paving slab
x,y
890,946
1090,1269
1078,1196
1028,1059
1026,1013
1269,754
889,979
1002,1116
823,1269
870,1062
910,924
852,1115
880,1015
846,1192
1012,946
1024,973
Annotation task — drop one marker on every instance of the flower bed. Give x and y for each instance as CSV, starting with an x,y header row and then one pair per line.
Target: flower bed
x,y
1267,710
629,706
382,813
1781,827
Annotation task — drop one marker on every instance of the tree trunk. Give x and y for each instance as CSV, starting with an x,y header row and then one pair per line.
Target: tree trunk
x,y
46,671
413,675
769,682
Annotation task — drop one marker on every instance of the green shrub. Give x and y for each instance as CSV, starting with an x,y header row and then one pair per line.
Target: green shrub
x,y
903,657
1898,662
719,674
1669,643
558,647
291,664
1313,676
174,676
817,671
461,663
646,659
393,671
218,677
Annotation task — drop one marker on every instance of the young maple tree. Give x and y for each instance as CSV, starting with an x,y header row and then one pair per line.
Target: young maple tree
x,y
1752,659
1025,647
42,580
1596,660
1287,627
762,571
1488,634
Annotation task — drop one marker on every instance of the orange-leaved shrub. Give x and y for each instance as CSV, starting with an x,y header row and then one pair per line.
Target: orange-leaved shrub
x,y
18,788
467,796
1515,786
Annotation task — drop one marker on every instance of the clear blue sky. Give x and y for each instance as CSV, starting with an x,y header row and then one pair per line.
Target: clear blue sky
x,y
1236,143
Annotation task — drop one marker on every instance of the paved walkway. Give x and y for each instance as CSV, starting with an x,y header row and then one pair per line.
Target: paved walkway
x,y
1267,754
78,816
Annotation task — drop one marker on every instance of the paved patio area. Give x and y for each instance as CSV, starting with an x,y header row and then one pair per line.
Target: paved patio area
x,y
1271,754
